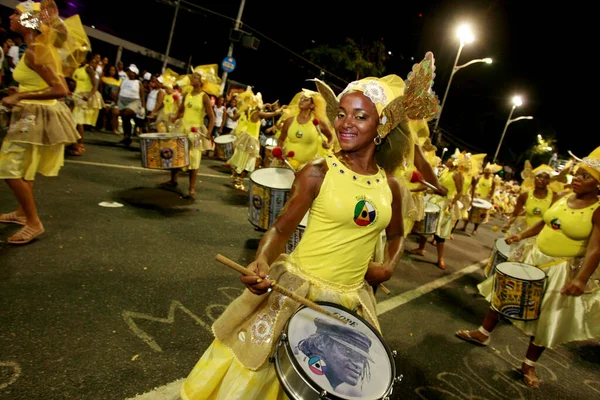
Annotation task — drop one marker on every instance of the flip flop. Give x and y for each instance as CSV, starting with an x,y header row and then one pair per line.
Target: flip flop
x,y
465,335
12,218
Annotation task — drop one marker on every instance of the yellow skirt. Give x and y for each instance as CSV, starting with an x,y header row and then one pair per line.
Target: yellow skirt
x,y
219,376
23,160
244,156
86,113
563,319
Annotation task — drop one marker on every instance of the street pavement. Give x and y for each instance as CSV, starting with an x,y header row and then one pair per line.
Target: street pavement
x,y
117,303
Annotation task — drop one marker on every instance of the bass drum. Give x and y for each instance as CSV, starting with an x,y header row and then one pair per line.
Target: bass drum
x,y
269,190
318,357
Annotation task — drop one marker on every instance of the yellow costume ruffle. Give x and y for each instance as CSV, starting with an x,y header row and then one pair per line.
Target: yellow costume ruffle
x,y
198,142
23,160
562,318
86,112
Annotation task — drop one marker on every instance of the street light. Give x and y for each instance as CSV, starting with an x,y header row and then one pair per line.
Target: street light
x,y
466,36
444,152
517,101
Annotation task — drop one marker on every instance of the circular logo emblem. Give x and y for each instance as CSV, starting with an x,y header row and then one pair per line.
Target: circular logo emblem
x,y
555,224
317,366
299,134
537,211
364,213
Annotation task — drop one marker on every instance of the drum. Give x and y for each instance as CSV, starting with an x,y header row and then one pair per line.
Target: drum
x,y
268,160
500,255
428,224
480,210
224,146
318,357
269,190
164,150
297,235
518,290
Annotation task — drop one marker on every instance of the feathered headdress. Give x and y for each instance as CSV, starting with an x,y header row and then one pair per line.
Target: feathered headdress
x,y
168,78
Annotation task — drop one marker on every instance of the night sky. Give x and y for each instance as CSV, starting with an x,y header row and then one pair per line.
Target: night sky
x,y
520,36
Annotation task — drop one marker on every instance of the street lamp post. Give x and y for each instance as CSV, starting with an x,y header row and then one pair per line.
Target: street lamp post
x,y
164,66
517,101
465,36
238,22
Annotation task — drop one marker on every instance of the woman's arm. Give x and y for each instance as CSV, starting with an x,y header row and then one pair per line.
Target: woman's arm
x,y
381,272
518,208
92,74
284,131
590,262
210,113
305,189
57,87
159,103
264,115
425,169
326,130
533,230
458,182
180,110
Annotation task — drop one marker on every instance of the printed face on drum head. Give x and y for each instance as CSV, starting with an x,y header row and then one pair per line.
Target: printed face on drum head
x,y
356,122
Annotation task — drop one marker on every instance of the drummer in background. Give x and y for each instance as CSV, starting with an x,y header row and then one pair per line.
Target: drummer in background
x,y
247,146
452,179
301,133
567,249
190,120
352,199
168,113
482,188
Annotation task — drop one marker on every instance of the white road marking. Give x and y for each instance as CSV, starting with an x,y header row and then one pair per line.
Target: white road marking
x,y
171,391
97,164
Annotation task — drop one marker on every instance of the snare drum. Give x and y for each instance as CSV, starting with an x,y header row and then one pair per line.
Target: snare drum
x,y
224,146
428,225
318,357
164,150
297,235
480,210
518,290
499,255
269,190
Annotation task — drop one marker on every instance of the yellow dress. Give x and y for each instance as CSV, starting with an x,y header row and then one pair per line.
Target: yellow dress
x,y
304,140
38,132
559,250
483,188
193,117
247,146
167,112
448,215
328,264
466,197
85,112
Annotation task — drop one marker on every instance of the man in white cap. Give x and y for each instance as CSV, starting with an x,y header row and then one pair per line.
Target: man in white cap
x,y
131,100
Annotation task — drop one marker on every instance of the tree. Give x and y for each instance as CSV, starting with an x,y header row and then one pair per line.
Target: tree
x,y
351,59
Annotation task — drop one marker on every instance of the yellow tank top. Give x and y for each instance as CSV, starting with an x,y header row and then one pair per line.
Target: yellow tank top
x,y
241,126
304,140
344,224
169,104
467,184
447,180
252,128
194,109
30,81
567,230
82,80
484,186
535,208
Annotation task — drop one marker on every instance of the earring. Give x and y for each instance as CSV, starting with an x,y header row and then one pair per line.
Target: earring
x,y
377,139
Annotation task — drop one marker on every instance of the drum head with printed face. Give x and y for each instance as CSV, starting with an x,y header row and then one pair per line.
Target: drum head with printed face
x,y
524,272
276,178
502,247
350,361
224,139
432,208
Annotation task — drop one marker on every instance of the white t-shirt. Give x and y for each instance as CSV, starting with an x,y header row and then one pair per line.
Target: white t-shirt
x,y
218,115
230,123
130,89
14,53
151,100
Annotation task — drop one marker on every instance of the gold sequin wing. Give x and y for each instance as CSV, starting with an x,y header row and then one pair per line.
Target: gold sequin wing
x,y
330,99
392,115
420,102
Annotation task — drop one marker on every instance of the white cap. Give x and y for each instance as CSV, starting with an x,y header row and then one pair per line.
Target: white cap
x,y
133,68
160,79
147,76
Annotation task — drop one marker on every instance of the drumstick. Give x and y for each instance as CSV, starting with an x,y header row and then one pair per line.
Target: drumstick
x,y
288,293
384,289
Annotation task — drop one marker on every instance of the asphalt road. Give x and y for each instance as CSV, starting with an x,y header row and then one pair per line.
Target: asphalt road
x,y
111,303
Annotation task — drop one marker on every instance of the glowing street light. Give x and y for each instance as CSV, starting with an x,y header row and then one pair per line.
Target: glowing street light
x,y
465,36
517,102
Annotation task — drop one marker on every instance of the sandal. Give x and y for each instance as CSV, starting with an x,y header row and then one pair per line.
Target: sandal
x,y
191,195
417,252
25,235
13,218
465,335
531,381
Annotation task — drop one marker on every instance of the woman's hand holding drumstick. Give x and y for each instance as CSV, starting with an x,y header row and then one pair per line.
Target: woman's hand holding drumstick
x,y
258,284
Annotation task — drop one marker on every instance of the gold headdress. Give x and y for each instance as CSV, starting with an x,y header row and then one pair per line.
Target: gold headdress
x,y
477,163
168,78
247,100
544,169
493,168
590,163
211,82
61,45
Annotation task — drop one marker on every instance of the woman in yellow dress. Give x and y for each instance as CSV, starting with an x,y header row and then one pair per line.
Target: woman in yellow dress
x,y
301,133
247,146
452,179
88,100
567,249
333,259
190,120
41,125
481,188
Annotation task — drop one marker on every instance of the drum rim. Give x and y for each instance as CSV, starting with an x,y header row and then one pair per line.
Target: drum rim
x,y
270,187
298,368
484,202
497,249
516,277
163,135
439,209
223,136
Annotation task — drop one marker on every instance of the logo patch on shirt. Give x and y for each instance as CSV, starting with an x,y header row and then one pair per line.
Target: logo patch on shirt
x,y
555,224
364,213
537,211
